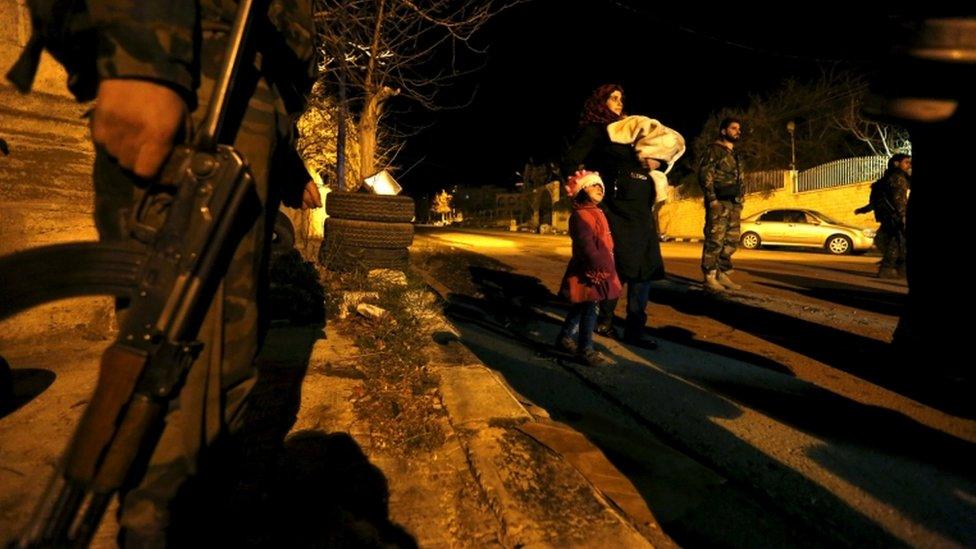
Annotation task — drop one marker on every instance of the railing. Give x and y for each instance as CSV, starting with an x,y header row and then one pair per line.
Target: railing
x,y
841,172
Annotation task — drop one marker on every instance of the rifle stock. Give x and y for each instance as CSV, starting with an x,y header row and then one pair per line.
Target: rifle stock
x,y
117,376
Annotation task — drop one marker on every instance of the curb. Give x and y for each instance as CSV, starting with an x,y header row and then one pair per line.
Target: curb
x,y
486,412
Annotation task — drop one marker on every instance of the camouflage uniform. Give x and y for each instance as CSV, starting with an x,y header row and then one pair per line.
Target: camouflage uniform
x,y
890,205
880,238
165,42
720,177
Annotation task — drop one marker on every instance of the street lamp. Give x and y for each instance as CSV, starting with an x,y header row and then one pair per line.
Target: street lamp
x,y
791,129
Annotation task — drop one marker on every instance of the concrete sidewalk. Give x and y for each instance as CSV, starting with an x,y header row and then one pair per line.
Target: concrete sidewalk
x,y
506,475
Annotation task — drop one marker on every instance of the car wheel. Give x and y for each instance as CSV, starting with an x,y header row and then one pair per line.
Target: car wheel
x,y
839,245
751,241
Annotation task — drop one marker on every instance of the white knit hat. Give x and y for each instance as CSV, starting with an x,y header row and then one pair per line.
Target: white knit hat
x,y
581,180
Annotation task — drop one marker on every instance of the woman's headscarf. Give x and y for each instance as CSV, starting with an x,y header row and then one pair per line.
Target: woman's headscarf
x,y
595,110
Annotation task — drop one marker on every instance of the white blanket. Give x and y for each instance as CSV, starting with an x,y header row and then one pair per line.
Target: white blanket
x,y
650,139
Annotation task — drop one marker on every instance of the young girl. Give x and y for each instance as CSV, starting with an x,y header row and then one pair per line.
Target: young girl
x,y
591,275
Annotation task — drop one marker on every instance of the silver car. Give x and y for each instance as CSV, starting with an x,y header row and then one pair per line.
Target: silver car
x,y
805,228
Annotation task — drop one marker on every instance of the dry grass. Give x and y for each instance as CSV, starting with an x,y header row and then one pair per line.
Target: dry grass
x,y
398,397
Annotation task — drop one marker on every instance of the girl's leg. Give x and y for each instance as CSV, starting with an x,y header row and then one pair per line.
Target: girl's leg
x,y
588,315
572,323
586,350
566,340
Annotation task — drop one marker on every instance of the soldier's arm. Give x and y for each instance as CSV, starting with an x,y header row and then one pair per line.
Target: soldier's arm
x,y
290,176
706,175
147,84
900,189
148,40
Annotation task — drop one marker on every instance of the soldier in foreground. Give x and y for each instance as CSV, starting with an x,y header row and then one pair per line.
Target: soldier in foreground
x,y
150,66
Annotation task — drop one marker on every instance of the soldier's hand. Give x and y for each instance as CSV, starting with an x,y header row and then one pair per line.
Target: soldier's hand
x,y
714,205
311,198
136,121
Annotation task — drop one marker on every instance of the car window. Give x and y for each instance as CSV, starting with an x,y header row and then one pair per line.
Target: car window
x,y
794,216
775,215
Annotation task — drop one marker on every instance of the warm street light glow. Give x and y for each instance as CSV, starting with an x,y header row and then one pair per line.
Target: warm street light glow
x,y
475,241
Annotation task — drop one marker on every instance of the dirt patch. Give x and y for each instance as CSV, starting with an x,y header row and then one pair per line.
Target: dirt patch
x,y
398,397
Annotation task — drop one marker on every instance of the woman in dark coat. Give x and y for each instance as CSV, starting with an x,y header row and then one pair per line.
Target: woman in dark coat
x,y
628,207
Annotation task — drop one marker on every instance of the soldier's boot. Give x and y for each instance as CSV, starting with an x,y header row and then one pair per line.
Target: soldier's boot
x,y
711,282
724,280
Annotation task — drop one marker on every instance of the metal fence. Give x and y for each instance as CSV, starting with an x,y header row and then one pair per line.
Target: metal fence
x,y
841,172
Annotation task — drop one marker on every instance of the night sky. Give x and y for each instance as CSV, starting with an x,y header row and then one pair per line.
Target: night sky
x,y
545,57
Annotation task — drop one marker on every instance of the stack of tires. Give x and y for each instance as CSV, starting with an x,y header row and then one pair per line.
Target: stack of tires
x,y
367,231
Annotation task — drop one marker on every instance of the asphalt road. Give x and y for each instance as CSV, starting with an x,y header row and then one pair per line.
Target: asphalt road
x,y
782,390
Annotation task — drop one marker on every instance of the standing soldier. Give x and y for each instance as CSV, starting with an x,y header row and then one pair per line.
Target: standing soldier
x,y
150,66
720,177
890,204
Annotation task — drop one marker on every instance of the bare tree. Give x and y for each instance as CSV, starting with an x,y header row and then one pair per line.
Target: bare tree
x,y
827,124
318,137
380,49
441,204
880,138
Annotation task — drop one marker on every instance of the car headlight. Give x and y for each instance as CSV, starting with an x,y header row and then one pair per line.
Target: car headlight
x,y
868,233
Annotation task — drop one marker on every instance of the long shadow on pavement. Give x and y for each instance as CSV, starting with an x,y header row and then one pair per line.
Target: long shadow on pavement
x,y
512,300
879,301
492,324
502,290
693,505
864,357
872,274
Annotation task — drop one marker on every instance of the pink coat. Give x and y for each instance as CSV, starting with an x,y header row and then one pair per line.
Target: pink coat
x,y
591,274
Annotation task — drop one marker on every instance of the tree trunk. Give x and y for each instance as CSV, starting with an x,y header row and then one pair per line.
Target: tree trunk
x,y
368,126
341,135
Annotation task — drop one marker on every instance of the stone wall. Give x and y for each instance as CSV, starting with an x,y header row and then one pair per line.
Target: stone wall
x,y
686,218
